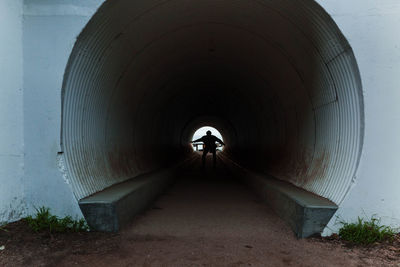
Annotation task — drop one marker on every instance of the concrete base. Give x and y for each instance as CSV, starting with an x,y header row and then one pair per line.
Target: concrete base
x,y
306,213
114,207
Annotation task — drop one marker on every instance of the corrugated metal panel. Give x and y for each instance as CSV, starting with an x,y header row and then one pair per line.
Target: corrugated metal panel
x,y
131,49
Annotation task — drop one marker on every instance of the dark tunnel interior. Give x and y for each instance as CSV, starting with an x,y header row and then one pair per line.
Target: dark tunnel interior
x,y
276,78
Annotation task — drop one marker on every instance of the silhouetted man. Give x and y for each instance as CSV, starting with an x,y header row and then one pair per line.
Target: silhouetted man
x,y
209,146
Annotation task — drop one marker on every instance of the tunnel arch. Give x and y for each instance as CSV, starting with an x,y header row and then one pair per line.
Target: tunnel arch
x,y
278,76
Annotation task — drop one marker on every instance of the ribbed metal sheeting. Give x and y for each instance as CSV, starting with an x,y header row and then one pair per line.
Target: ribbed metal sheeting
x,y
278,72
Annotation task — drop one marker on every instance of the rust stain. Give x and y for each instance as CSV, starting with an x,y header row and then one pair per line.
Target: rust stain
x,y
316,170
298,165
120,162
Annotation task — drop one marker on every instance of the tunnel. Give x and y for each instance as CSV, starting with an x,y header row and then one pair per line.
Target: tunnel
x,y
277,78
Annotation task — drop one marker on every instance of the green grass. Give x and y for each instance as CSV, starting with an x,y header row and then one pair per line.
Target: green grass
x,y
3,228
45,221
366,232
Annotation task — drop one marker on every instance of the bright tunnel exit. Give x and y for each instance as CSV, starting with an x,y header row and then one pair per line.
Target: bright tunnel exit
x,y
202,132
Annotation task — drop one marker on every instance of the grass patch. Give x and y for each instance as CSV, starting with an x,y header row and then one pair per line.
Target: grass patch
x,y
45,221
3,228
366,232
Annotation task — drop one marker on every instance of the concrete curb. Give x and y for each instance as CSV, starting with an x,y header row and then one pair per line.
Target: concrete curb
x,y
114,207
306,213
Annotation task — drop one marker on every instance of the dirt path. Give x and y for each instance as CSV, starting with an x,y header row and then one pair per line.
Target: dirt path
x,y
203,220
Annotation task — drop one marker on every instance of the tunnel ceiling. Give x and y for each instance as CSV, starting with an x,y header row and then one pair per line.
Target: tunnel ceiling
x,y
277,78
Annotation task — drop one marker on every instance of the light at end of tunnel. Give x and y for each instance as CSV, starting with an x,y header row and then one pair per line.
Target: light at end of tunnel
x,y
202,132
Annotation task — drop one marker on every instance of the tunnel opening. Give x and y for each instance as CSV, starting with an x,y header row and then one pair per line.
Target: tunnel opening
x,y
200,132
278,78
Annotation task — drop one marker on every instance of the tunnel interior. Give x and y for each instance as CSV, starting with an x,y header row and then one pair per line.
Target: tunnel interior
x,y
276,78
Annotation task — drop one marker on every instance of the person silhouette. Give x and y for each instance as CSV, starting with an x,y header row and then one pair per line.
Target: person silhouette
x,y
209,146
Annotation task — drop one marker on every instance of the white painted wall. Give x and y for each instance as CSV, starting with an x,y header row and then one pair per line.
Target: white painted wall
x,y
372,28
12,204
50,31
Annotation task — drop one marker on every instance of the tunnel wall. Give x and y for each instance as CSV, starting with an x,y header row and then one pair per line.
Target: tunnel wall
x,y
287,80
372,32
369,28
50,29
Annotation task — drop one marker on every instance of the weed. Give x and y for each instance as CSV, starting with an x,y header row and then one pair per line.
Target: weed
x,y
3,228
365,232
45,221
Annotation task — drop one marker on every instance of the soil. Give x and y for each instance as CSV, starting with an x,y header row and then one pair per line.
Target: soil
x,y
205,220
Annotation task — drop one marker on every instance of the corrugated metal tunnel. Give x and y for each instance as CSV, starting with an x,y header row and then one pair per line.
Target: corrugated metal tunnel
x,y
276,78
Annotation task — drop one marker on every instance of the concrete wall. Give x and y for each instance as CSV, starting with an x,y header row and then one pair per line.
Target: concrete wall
x,y
50,31
12,204
372,29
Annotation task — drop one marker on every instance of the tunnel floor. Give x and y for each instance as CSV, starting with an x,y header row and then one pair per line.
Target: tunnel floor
x,y
208,203
209,218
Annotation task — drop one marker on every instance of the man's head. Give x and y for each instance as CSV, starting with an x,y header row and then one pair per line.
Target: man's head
x,y
208,132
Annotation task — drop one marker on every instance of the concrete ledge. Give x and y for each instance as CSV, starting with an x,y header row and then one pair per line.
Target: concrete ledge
x,y
306,213
114,207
